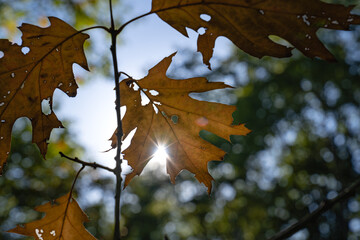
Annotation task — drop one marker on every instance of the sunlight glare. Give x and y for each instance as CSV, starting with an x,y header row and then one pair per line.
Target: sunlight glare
x,y
160,156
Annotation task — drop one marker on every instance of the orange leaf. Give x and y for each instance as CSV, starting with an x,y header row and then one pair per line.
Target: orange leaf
x,y
63,220
30,73
174,120
249,23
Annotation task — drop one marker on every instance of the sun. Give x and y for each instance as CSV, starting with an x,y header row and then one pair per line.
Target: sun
x,y
160,155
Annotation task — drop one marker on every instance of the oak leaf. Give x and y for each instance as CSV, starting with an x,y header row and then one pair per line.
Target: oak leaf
x,y
63,220
249,23
29,75
173,119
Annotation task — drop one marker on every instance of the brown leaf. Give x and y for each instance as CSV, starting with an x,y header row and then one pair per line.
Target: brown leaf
x,y
63,220
249,23
27,79
175,123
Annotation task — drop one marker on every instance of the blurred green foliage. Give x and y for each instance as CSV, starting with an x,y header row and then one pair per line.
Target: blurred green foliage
x,y
304,148
29,180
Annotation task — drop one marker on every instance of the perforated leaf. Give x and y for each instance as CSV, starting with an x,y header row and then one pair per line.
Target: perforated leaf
x,y
29,75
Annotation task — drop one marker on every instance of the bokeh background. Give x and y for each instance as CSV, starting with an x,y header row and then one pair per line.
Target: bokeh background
x,y
304,147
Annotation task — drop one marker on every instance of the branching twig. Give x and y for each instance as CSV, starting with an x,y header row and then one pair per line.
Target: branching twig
x,y
324,206
93,165
119,133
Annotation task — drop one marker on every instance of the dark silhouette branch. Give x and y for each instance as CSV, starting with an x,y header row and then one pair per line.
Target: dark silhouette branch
x,y
119,133
124,73
324,206
93,165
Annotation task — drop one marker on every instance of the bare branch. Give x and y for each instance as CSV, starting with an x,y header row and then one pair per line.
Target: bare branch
x,y
93,165
324,206
119,132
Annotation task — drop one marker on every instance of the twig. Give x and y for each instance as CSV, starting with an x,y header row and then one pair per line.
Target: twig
x,y
125,74
93,165
323,207
119,133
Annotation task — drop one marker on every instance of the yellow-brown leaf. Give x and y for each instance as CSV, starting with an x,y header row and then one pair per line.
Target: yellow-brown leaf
x,y
27,79
176,125
249,23
63,220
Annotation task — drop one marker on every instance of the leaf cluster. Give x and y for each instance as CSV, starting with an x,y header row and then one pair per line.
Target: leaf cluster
x,y
31,72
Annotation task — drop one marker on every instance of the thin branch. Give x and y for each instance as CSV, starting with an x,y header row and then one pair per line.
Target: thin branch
x,y
93,165
94,27
323,207
119,134
111,15
124,73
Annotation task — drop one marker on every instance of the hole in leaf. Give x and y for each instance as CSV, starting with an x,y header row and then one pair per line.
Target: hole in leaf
x,y
155,109
153,92
45,106
2,104
201,30
144,99
135,87
12,75
205,17
25,50
1,54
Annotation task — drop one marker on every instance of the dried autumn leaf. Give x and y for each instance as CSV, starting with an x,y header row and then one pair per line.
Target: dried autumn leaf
x,y
26,80
173,119
249,23
63,220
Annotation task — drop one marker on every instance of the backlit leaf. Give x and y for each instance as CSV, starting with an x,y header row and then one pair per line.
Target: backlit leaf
x,y
29,75
173,119
63,220
250,23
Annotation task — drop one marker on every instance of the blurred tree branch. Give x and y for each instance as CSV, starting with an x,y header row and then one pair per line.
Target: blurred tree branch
x,y
311,217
